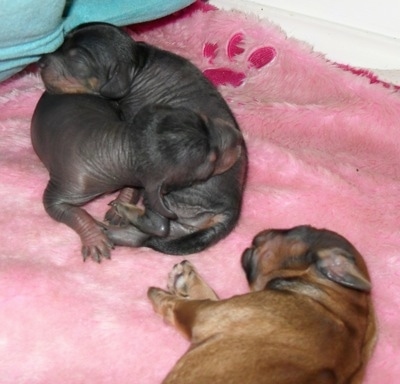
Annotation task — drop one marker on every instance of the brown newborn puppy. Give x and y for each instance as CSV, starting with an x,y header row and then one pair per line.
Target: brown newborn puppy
x,y
309,317
103,60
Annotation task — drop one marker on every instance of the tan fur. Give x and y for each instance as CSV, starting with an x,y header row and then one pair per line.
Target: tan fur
x,y
305,328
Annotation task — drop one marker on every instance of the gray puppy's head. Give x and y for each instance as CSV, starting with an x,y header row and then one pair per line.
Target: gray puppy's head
x,y
96,58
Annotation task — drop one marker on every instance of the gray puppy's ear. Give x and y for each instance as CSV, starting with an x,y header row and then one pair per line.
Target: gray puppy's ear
x,y
118,83
155,199
228,139
337,265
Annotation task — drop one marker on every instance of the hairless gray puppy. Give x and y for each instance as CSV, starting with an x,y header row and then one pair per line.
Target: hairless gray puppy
x,y
103,60
89,151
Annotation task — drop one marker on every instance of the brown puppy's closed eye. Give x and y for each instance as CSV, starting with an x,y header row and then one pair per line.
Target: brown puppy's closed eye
x,y
309,317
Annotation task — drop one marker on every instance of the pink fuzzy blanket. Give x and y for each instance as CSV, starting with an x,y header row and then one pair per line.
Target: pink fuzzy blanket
x,y
324,150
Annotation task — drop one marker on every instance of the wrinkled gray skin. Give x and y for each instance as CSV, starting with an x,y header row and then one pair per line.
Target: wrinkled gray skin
x,y
102,60
89,151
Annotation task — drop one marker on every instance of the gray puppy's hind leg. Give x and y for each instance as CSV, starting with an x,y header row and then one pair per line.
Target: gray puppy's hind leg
x,y
95,244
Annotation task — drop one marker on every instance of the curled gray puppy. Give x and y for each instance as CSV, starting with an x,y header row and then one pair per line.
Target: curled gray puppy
x,y
102,59
89,151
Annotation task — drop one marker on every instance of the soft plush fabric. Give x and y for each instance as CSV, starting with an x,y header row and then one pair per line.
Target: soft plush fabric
x,y
323,148
30,28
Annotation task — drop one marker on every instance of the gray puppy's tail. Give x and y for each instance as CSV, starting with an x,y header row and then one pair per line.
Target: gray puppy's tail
x,y
194,242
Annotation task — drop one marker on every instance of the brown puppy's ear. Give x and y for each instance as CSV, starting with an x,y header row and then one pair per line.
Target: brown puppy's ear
x,y
117,85
337,265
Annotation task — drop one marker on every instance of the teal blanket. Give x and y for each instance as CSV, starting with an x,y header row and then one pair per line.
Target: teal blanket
x,y
30,28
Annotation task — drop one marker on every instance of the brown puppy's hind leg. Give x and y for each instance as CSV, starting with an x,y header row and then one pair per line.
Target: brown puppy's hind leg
x,y
188,292
95,244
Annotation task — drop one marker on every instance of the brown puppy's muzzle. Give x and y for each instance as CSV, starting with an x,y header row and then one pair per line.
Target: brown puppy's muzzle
x,y
273,255
249,265
258,260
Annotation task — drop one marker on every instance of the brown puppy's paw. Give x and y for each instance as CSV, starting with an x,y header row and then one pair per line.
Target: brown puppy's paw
x,y
156,296
181,278
163,303
184,281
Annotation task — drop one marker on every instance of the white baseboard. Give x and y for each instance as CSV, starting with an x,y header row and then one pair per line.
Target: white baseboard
x,y
339,43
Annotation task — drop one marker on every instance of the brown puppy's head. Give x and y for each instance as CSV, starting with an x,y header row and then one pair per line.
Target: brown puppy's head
x,y
307,253
95,58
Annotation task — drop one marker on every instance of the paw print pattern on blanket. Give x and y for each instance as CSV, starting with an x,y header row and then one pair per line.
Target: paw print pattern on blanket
x,y
227,76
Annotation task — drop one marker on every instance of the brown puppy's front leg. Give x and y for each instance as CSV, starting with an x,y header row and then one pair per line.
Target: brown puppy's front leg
x,y
187,291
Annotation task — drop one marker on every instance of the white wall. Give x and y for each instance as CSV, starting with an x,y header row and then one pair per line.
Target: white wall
x,y
362,33
370,15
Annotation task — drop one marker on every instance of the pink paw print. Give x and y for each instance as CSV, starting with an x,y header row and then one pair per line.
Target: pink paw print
x,y
226,76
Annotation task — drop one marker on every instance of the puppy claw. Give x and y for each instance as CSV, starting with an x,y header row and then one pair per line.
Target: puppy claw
x,y
122,213
113,216
98,252
178,286
178,279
